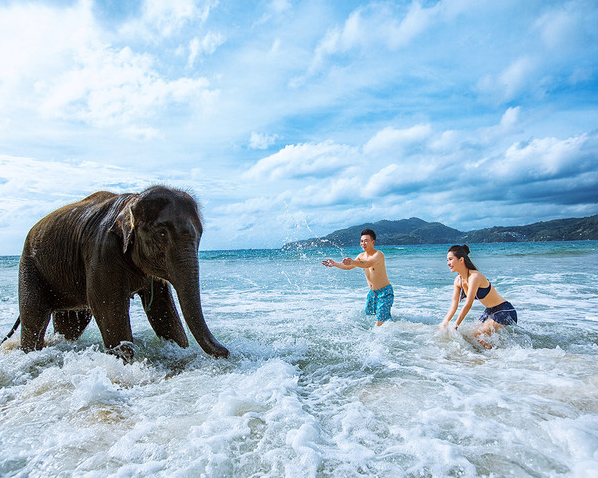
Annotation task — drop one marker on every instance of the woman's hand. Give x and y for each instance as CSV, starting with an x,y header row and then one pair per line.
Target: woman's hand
x,y
445,323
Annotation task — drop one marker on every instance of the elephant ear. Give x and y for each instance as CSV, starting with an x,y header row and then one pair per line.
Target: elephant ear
x,y
125,223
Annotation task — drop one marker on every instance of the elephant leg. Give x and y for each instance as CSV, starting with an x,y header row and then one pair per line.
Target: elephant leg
x,y
71,323
162,314
112,317
34,306
33,329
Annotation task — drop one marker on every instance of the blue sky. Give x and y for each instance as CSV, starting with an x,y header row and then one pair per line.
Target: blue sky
x,y
291,119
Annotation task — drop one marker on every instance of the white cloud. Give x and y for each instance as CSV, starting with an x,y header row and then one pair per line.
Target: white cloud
x,y
280,6
400,178
508,123
75,179
515,77
383,116
330,192
379,25
391,140
447,141
564,25
37,40
301,160
414,23
510,117
115,88
57,64
511,82
206,46
256,205
31,188
167,17
262,141
274,9
544,159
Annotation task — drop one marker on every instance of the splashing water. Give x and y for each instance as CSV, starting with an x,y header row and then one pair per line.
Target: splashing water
x,y
312,388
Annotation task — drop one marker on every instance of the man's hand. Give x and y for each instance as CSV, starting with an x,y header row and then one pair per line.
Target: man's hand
x,y
328,263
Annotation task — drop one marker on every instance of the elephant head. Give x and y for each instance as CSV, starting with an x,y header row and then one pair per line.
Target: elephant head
x,y
161,229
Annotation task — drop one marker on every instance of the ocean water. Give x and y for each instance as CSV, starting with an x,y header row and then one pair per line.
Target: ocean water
x,y
312,388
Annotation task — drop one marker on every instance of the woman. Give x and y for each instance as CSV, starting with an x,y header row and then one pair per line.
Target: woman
x,y
471,284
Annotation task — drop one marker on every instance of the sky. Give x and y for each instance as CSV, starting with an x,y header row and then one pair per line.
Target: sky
x,y
290,119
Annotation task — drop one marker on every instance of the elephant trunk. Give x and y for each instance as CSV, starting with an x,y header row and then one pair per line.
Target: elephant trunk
x,y
185,280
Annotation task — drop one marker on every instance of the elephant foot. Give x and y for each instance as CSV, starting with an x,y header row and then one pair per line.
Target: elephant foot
x,y
31,340
222,353
125,351
215,349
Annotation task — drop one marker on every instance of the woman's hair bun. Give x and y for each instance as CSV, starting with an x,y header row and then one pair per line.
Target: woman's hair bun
x,y
466,248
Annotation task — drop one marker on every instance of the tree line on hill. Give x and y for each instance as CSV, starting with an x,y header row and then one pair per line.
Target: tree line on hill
x,y
417,231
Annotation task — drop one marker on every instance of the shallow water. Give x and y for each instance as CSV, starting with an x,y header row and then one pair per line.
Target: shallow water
x,y
312,389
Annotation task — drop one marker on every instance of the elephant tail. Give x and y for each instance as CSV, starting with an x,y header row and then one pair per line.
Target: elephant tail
x,y
12,331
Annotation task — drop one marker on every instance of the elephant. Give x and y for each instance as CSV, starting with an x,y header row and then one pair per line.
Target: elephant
x,y
91,257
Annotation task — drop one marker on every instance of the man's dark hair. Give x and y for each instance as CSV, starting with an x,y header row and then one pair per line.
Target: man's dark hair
x,y
369,232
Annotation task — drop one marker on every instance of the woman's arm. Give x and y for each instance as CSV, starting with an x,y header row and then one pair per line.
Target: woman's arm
x,y
464,310
473,284
454,304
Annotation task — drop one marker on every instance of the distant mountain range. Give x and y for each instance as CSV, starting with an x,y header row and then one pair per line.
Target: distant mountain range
x,y
418,231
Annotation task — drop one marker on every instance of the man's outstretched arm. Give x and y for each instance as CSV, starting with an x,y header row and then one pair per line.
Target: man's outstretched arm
x,y
340,265
362,262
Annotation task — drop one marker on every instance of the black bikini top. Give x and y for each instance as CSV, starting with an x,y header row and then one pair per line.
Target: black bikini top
x,y
481,293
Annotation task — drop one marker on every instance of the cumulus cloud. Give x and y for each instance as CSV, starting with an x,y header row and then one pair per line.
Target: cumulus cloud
x,y
388,109
390,139
262,141
298,161
164,18
379,25
401,178
72,179
567,26
446,141
509,122
115,88
547,158
511,82
434,179
336,191
58,64
548,56
36,40
31,188
206,46
252,206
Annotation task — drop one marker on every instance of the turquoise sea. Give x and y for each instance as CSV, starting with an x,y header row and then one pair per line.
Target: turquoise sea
x,y
312,388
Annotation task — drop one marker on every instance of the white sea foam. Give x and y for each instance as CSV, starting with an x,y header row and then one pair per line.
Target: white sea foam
x,y
312,388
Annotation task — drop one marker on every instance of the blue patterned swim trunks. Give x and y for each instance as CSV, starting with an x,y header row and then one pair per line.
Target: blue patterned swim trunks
x,y
504,314
379,303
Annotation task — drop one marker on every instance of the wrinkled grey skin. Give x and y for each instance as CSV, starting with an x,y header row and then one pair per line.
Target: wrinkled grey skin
x,y
90,257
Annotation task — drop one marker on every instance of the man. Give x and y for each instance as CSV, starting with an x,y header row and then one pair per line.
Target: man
x,y
381,295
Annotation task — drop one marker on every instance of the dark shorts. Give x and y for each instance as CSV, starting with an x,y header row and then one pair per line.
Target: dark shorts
x,y
504,314
379,303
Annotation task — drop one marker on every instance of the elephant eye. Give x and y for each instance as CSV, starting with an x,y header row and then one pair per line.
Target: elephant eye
x,y
162,234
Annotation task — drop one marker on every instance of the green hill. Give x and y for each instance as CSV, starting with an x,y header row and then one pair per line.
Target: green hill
x,y
418,231
573,229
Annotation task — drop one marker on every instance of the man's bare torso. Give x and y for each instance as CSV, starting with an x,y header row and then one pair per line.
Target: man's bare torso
x,y
376,274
